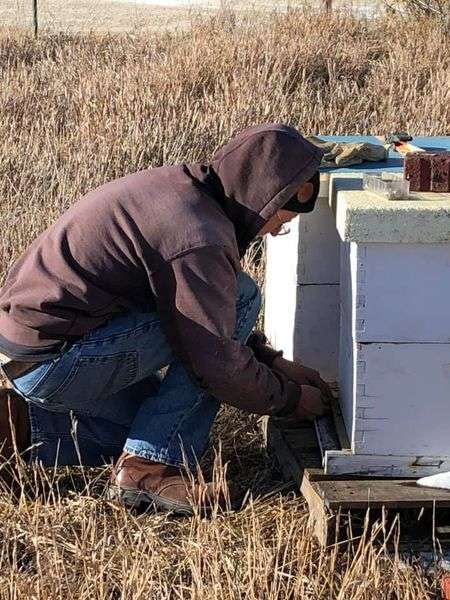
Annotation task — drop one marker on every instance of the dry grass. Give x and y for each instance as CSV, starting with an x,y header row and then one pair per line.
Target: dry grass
x,y
72,16
77,111
61,538
75,545
93,16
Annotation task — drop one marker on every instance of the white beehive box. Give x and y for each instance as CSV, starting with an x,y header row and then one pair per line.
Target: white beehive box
x,y
387,303
394,351
394,348
302,289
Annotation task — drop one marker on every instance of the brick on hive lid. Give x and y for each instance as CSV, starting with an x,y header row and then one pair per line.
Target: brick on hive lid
x,y
417,170
440,172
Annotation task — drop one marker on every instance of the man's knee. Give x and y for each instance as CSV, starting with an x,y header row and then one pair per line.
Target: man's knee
x,y
248,291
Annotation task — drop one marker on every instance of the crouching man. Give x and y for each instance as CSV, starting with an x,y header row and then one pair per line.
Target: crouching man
x,y
144,273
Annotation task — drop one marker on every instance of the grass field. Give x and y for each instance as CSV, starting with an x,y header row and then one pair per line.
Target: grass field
x,y
72,16
144,15
78,110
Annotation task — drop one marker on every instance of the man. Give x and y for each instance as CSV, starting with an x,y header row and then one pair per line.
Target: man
x,y
141,274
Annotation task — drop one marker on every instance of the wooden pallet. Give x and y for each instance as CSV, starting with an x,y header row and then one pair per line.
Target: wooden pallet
x,y
331,497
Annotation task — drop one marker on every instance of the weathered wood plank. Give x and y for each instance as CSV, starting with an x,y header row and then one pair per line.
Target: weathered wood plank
x,y
339,423
343,462
329,497
287,460
390,493
321,519
301,439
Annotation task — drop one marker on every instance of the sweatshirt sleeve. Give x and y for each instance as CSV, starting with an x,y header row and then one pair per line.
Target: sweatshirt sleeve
x,y
263,352
196,300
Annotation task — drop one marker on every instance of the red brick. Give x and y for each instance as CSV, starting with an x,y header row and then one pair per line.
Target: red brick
x,y
417,170
440,172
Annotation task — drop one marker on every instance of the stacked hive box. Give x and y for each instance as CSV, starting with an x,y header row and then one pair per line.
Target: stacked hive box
x,y
394,371
302,289
384,304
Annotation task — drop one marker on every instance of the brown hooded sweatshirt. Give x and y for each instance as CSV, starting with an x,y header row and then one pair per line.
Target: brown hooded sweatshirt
x,y
167,239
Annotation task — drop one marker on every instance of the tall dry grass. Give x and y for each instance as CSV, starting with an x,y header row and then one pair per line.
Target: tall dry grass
x,y
75,545
77,111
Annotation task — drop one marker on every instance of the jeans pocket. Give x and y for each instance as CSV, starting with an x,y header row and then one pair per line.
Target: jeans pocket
x,y
27,383
44,384
92,381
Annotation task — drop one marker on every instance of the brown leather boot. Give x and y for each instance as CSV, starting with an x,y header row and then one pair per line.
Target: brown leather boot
x,y
136,481
14,429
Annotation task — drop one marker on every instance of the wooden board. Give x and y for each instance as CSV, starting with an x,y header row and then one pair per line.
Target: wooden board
x,y
387,465
396,292
316,328
281,290
394,395
395,400
390,493
303,320
318,246
331,497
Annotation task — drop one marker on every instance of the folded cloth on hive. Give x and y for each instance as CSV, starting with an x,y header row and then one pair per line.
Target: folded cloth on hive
x,y
344,154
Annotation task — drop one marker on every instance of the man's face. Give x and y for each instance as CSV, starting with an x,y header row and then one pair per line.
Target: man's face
x,y
275,224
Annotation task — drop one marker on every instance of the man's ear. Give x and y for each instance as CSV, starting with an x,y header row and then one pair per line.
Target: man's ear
x,y
305,191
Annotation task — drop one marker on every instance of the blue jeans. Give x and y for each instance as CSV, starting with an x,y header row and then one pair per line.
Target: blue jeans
x,y
104,393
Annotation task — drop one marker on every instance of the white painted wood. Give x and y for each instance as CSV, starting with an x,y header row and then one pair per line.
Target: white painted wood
x,y
342,462
347,355
392,324
402,399
394,356
318,246
316,328
304,322
280,298
396,292
397,403
347,378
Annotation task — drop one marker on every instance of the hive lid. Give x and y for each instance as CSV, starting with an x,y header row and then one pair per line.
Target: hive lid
x,y
362,216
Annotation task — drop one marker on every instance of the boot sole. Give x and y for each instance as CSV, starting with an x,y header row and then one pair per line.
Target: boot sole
x,y
138,499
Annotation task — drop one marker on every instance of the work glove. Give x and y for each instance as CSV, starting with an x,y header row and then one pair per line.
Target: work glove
x,y
353,154
311,405
315,397
302,376
345,154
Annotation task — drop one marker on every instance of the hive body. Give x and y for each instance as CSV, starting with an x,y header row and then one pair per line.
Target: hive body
x,y
360,290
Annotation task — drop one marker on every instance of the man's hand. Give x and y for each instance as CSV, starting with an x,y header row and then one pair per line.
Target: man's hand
x,y
302,375
311,405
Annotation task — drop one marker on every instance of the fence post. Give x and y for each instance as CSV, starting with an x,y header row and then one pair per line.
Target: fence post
x,y
35,17
328,5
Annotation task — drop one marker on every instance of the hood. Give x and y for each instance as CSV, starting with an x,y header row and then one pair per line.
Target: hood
x,y
256,173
